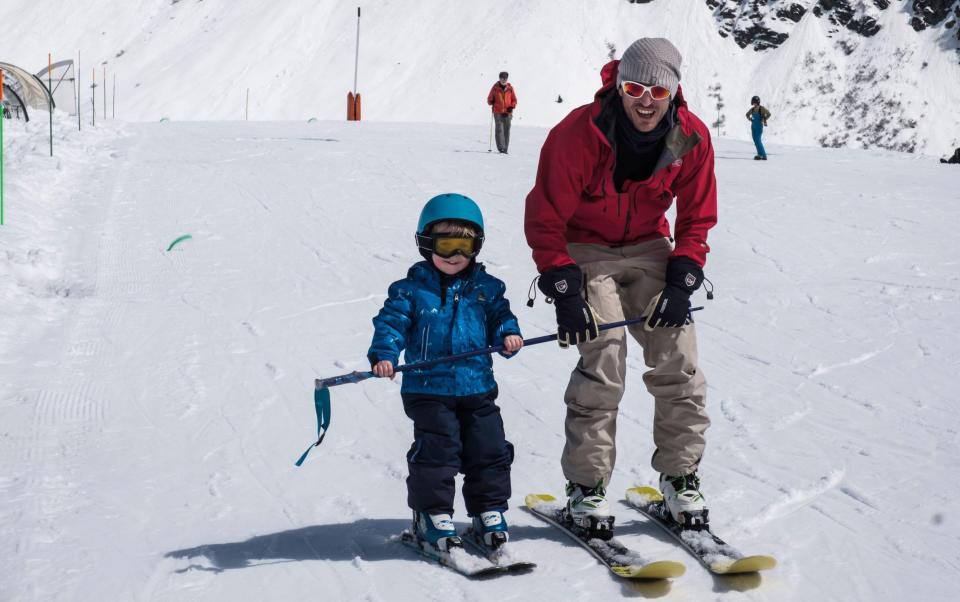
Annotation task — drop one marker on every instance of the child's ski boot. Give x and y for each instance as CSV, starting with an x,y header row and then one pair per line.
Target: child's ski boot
x,y
491,528
436,530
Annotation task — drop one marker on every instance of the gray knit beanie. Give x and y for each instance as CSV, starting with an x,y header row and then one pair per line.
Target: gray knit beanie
x,y
651,61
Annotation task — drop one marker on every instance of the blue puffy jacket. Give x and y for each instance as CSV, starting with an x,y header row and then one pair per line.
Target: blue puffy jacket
x,y
430,318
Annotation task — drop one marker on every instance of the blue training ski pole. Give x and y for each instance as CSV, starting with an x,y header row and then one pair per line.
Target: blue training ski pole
x,y
321,394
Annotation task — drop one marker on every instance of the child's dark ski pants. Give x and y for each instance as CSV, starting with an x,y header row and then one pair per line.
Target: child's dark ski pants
x,y
457,435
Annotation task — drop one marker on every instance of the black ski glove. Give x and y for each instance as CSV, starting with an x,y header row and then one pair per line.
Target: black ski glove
x,y
671,307
576,320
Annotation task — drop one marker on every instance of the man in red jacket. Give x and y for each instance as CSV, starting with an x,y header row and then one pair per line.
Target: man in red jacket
x,y
503,100
596,222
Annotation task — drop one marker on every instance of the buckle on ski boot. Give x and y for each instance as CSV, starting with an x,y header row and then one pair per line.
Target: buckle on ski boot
x,y
695,521
595,527
444,544
497,539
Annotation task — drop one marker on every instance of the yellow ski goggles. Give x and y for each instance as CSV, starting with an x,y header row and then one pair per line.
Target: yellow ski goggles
x,y
448,245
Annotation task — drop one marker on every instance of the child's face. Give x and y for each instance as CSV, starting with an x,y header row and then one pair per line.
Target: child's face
x,y
450,265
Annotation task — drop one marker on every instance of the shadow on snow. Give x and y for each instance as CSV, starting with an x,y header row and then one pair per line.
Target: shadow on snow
x,y
368,539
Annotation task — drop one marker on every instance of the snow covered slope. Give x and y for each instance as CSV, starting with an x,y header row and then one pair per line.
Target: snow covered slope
x,y
435,61
152,403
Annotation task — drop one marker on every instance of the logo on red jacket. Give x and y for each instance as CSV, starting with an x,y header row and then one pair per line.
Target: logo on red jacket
x,y
678,163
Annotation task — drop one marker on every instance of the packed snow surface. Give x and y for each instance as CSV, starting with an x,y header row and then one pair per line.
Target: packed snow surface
x,y
152,403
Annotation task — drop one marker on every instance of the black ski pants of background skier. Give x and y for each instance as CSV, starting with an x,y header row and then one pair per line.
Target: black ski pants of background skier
x,y
457,435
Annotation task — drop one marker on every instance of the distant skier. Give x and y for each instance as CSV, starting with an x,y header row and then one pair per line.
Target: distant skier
x,y
449,304
758,116
954,159
596,222
503,99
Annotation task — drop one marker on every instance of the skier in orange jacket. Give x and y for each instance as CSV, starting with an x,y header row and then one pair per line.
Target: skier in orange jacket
x,y
503,100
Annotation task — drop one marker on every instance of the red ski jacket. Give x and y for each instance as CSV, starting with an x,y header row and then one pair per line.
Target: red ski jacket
x,y
575,199
503,100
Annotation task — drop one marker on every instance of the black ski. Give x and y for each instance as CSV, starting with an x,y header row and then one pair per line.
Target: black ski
x,y
502,557
456,559
621,561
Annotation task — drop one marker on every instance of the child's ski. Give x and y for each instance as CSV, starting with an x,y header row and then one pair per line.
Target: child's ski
x,y
717,555
502,556
457,559
622,561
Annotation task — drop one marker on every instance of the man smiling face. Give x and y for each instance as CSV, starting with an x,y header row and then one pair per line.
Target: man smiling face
x,y
649,70
644,112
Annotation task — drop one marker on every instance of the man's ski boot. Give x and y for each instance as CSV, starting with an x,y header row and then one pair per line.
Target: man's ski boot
x,y
436,530
684,502
491,528
589,511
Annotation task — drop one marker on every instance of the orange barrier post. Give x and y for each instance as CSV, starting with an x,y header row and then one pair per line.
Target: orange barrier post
x,y
353,98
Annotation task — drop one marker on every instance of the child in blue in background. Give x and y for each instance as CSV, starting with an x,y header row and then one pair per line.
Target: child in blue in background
x,y
449,304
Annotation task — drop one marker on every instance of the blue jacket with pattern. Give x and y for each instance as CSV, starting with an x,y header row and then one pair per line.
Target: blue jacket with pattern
x,y
431,315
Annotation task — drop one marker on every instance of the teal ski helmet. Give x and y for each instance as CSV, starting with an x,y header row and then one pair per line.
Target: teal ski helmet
x,y
450,206
447,207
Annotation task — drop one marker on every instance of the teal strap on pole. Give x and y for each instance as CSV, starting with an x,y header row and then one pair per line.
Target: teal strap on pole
x,y
321,400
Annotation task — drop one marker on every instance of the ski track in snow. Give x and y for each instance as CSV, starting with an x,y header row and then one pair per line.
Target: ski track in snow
x,y
820,370
153,402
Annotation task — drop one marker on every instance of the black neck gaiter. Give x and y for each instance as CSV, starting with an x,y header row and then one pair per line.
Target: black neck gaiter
x,y
638,152
641,142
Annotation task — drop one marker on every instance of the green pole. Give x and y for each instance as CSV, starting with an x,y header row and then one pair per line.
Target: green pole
x,y
2,119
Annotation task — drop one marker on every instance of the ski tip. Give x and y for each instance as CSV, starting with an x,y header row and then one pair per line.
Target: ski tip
x,y
521,567
748,564
661,569
535,499
643,495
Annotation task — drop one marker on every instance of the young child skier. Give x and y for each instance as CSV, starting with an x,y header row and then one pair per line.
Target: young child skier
x,y
448,304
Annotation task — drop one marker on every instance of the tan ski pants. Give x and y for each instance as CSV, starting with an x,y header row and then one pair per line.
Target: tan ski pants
x,y
619,284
